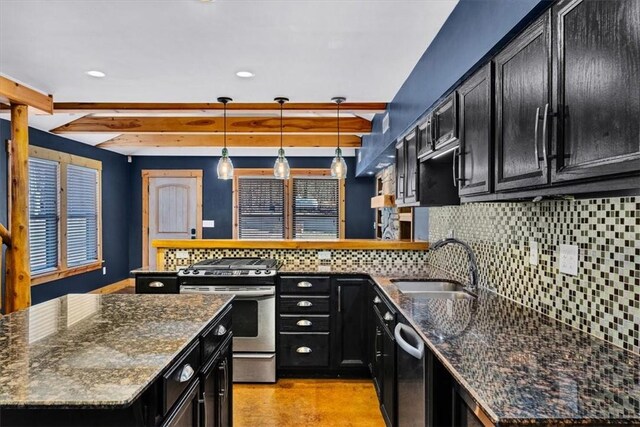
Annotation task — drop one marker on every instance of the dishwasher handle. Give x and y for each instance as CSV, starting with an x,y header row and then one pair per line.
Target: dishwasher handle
x,y
416,352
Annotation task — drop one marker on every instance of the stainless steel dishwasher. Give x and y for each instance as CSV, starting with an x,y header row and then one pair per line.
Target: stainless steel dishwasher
x,y
412,377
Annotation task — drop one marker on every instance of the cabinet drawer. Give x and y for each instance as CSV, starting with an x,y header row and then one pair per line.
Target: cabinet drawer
x,y
157,284
178,377
304,349
305,285
310,323
215,335
304,304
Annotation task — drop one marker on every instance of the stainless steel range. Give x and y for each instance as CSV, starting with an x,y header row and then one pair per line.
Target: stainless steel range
x,y
252,281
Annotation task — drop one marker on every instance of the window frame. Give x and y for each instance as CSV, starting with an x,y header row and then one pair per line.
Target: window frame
x,y
64,160
288,196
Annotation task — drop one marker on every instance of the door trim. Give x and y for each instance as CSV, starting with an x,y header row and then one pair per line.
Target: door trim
x,y
167,173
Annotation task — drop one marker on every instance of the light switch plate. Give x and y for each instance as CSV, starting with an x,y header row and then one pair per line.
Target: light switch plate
x,y
324,254
182,254
533,252
568,258
208,223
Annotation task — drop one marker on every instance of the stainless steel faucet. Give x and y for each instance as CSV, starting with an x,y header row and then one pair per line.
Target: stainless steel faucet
x,y
473,265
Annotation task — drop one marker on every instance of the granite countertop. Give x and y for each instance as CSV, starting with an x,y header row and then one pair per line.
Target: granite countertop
x,y
88,350
522,367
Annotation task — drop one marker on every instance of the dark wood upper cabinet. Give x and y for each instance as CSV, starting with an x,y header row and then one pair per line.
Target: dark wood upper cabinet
x,y
596,88
407,177
400,171
522,90
445,122
412,179
475,133
425,137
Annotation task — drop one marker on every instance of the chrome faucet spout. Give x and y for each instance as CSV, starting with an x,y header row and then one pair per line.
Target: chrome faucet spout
x,y
473,265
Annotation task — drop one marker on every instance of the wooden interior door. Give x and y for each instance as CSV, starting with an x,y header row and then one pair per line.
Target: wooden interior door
x,y
173,208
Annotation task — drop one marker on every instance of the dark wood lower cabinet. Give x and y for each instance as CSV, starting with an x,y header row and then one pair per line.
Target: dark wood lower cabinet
x,y
350,311
216,389
186,413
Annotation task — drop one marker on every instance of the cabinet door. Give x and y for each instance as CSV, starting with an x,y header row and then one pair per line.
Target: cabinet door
x,y
596,88
350,336
475,134
522,92
388,405
425,137
209,396
186,413
411,169
400,172
224,392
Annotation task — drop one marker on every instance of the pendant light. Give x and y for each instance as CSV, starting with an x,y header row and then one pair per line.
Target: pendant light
x,y
281,168
338,165
225,165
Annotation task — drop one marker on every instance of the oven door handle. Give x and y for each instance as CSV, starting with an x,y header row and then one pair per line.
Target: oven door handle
x,y
238,293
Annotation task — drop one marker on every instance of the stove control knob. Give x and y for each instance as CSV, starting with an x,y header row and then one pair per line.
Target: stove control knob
x,y
267,272
258,271
196,271
186,271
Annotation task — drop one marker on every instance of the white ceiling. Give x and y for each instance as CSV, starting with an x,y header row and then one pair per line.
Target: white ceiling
x,y
190,50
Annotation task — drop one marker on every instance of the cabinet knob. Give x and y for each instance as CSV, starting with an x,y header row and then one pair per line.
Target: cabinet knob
x,y
156,284
377,300
303,323
221,330
303,350
388,316
304,304
304,284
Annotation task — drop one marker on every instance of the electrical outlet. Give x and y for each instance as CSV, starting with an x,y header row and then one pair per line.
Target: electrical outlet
x,y
568,259
451,234
533,252
104,271
324,255
182,254
208,223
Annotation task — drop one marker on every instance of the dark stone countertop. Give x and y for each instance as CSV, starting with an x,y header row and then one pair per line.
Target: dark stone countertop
x,y
88,350
520,366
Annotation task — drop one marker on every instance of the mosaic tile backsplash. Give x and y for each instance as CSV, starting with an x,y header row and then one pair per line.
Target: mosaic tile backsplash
x,y
603,299
305,257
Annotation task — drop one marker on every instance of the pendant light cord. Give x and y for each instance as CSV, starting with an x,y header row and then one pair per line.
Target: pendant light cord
x,y
225,125
281,106
338,117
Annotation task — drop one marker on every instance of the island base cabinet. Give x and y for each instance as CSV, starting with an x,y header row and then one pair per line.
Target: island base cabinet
x,y
132,416
186,413
216,389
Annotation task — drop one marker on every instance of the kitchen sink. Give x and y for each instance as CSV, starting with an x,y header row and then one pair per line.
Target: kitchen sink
x,y
433,289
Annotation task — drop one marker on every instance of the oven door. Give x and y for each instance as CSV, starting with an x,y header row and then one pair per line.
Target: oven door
x,y
253,315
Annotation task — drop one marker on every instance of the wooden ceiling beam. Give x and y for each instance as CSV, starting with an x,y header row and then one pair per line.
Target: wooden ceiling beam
x,y
12,92
143,107
235,125
208,140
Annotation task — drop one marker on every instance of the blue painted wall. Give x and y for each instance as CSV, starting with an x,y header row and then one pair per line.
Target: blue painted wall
x,y
115,213
217,197
474,31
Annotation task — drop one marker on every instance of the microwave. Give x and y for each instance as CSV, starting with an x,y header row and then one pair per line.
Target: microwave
x,y
444,122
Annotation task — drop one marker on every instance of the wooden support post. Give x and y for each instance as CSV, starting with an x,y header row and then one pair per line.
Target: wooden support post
x,y
18,278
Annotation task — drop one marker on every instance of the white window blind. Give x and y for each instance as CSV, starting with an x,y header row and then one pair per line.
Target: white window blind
x,y
260,208
82,215
43,214
316,208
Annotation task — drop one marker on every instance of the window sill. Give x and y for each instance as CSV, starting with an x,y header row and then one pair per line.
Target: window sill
x,y
61,274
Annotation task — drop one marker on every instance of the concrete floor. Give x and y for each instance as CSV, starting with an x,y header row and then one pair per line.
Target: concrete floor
x,y
306,402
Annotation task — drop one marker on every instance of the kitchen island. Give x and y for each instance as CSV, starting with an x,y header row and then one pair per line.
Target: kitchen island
x,y
86,359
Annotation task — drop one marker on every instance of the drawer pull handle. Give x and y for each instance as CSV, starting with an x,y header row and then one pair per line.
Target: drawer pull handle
x,y
221,330
156,284
185,374
304,284
388,317
377,300
304,323
304,304
303,350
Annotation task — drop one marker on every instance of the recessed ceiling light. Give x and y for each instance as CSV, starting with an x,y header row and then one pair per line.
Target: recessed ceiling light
x,y
391,156
245,74
96,73
370,173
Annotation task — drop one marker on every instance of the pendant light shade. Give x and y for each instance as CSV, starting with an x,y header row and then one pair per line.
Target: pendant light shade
x,y
338,165
225,165
281,168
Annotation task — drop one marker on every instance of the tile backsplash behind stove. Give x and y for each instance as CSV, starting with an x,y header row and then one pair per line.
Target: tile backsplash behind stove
x,y
603,299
